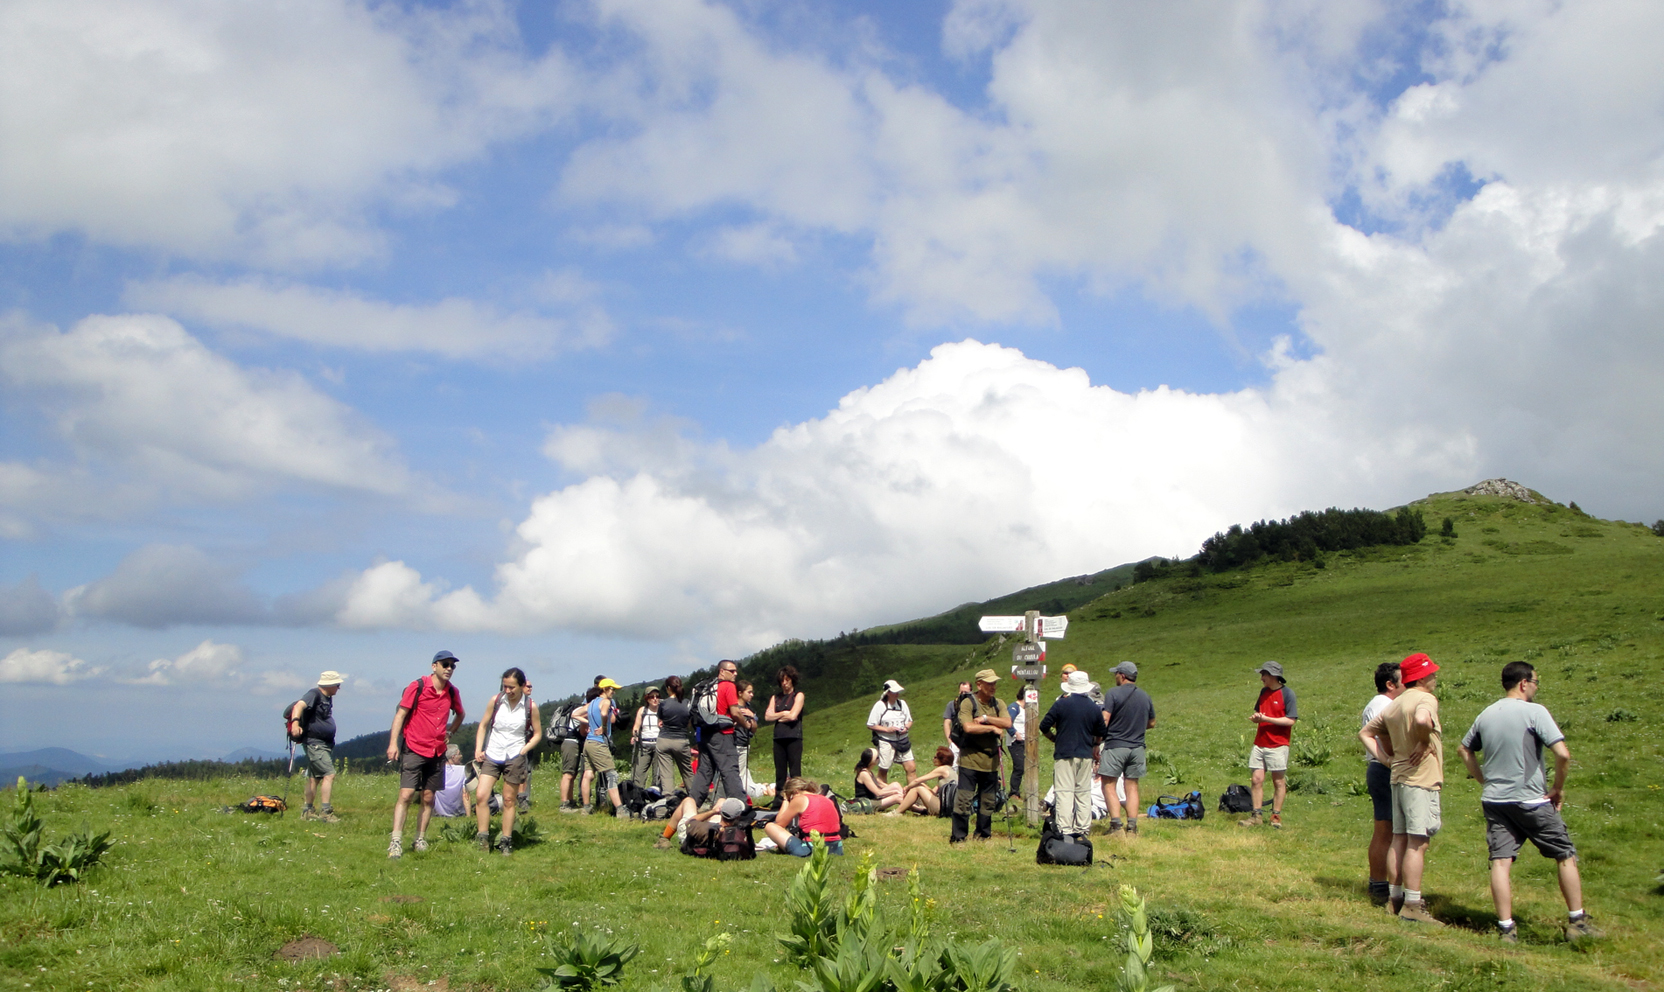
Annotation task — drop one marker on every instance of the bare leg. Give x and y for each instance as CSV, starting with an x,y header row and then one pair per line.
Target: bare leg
x,y
1380,843
1279,790
1256,788
399,807
1395,859
1112,800
1132,799
1414,860
1502,890
324,789
427,813
912,769
589,778
617,800
482,802
508,810
565,789
1571,884
311,788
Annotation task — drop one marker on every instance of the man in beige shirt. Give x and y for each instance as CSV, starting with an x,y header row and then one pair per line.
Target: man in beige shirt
x,y
1408,735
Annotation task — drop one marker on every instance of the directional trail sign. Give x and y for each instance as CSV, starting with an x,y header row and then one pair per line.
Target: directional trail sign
x,y
1027,653
1050,628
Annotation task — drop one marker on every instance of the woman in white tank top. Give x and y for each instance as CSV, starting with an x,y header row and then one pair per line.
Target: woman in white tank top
x,y
510,731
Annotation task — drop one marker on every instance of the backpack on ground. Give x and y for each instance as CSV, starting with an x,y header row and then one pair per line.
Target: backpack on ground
x,y
838,803
263,804
1176,808
1056,849
721,840
661,809
563,726
1237,799
635,798
705,713
857,807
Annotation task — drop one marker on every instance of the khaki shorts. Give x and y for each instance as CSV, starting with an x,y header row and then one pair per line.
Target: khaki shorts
x,y
320,759
1415,811
418,771
571,752
1115,762
1272,759
598,756
513,771
887,755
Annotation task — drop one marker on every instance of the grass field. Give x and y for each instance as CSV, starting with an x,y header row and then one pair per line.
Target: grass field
x,y
195,899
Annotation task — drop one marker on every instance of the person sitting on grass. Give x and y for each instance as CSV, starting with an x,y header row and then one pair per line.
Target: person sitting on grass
x,y
922,795
805,812
510,731
883,795
452,800
701,827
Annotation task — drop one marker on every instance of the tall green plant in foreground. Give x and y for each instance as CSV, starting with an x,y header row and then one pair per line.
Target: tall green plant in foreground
x,y
1135,975
587,961
49,864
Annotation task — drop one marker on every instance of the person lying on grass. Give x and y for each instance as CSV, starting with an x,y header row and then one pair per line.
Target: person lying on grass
x,y
921,795
867,785
805,812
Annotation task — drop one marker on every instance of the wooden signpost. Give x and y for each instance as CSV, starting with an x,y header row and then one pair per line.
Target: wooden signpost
x,y
1028,666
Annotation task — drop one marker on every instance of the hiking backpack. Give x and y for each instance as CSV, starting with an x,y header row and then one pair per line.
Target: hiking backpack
x,y
1237,799
705,713
562,726
263,804
289,735
956,734
1056,849
1175,808
722,841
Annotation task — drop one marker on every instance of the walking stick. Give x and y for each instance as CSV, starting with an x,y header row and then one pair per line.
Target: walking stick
x,y
288,775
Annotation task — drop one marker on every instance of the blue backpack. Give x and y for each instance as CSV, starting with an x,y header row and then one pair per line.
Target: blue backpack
x,y
1176,808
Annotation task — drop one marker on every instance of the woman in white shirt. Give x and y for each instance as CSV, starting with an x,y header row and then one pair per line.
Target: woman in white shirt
x,y
644,739
889,721
510,730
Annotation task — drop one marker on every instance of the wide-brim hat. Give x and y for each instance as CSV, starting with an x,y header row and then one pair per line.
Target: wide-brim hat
x,y
331,678
1271,668
1078,682
1416,667
891,685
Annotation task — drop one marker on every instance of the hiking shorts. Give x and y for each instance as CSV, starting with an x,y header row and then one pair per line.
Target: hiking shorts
x,y
1118,762
418,771
1509,825
1272,759
513,771
598,757
320,759
571,756
1415,811
888,755
1378,778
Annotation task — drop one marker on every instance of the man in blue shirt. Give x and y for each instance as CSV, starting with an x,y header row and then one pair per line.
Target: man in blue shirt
x,y
1512,733
1074,724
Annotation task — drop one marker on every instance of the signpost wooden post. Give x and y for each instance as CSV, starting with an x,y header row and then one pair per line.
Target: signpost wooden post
x,y
1027,665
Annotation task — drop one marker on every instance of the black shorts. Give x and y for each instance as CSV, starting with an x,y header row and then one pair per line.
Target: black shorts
x,y
1509,825
1378,778
418,771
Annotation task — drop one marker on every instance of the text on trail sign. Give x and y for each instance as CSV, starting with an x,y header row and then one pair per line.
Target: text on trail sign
x,y
1051,628
1026,654
1028,673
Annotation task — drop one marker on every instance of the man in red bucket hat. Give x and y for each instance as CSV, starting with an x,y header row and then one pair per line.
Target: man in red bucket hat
x,y
1409,735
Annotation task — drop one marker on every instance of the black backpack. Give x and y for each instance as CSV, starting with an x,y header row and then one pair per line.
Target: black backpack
x,y
1056,849
721,840
956,733
634,797
1175,808
1237,799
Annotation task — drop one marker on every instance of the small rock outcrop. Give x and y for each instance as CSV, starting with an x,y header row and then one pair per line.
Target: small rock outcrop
x,y
1501,487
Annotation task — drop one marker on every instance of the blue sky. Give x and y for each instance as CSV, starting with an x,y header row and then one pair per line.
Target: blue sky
x,y
621,336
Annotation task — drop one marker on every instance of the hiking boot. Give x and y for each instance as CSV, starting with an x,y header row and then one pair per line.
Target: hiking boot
x,y
484,842
1277,820
421,845
1252,821
505,846
1583,928
523,806
568,807
327,816
1114,825
395,849
307,814
1132,828
1416,912
1394,904
1379,893
662,844
1508,935
622,812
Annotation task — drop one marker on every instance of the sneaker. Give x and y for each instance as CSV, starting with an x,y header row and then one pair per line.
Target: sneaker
x,y
568,807
1583,928
307,814
421,845
586,811
1394,904
1277,820
395,849
505,846
328,816
1252,821
662,844
1416,912
484,842
1508,935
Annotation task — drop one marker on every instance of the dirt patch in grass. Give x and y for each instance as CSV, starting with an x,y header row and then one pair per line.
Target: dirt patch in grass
x,y
891,873
410,983
305,949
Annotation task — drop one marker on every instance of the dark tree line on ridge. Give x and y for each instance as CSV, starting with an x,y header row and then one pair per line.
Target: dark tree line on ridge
x,y
1303,537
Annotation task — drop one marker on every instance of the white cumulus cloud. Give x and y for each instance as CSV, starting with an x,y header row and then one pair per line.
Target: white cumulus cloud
x,y
45,667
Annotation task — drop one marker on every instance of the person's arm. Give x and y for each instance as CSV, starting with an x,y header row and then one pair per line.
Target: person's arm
x,y
1376,730
456,710
875,717
769,714
635,729
479,732
797,707
1421,734
947,729
984,724
295,713
735,710
1048,724
1472,764
537,728
1152,724
1562,764
1375,749
399,716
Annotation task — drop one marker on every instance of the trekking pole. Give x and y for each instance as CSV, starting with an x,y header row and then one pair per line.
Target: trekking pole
x,y
287,776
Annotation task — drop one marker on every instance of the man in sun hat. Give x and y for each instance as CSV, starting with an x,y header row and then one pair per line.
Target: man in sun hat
x,y
312,720
1275,712
429,711
1518,804
1074,725
1408,733
1128,712
981,724
891,722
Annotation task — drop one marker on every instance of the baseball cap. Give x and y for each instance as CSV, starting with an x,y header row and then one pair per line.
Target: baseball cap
x,y
1417,667
331,678
607,684
987,675
1126,668
732,809
1077,682
891,685
1272,669
446,656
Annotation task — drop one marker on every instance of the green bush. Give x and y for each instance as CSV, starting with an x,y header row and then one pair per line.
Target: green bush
x,y
1621,716
49,864
587,961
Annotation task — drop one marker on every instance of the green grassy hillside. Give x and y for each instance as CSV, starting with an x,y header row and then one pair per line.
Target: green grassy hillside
x,y
197,900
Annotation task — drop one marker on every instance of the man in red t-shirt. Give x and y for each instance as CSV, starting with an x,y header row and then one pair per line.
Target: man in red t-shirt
x,y
1275,712
429,711
717,755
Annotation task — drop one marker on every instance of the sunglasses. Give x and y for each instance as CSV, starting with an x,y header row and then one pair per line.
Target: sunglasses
x,y
447,665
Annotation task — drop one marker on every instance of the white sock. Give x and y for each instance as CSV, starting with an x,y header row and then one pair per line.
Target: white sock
x,y
1412,895
1575,915
1507,924
1396,891
398,835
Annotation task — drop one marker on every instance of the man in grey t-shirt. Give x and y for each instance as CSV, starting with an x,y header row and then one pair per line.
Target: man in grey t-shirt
x,y
1128,713
1512,733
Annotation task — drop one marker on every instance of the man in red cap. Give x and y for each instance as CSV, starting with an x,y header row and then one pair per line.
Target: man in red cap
x,y
1408,734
